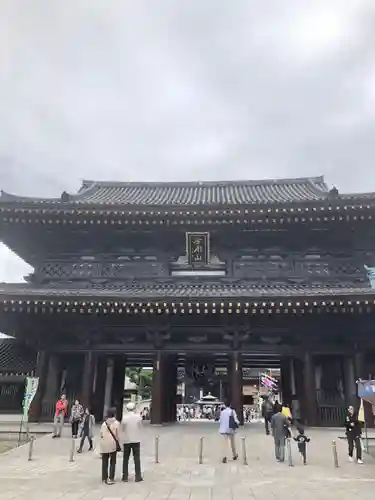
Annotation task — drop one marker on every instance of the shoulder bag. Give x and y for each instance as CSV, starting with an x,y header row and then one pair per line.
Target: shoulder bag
x,y
118,447
232,422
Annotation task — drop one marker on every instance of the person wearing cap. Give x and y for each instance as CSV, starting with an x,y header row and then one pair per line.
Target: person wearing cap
x,y
131,436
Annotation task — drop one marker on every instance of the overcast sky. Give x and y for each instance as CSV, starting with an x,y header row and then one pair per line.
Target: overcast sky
x,y
184,90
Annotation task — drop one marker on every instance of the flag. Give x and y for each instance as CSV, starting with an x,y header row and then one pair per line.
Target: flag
x,y
30,391
361,413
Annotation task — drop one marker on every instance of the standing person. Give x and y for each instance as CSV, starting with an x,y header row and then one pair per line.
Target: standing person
x,y
61,410
353,435
87,429
279,424
131,437
228,424
301,443
267,412
76,415
109,446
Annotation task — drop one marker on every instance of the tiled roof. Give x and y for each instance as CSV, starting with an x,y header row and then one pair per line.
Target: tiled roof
x,y
16,358
189,193
183,290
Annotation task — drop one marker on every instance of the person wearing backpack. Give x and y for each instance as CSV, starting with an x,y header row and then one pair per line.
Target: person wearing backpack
x,y
228,425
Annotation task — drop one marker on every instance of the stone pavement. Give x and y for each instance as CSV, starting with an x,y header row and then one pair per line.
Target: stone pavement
x,y
179,476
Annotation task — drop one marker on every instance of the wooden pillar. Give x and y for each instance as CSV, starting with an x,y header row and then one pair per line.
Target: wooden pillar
x,y
286,389
118,385
311,407
169,377
40,372
236,384
350,381
108,386
87,379
99,390
52,388
361,372
157,390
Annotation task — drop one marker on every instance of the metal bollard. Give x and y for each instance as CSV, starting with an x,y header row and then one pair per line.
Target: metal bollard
x,y
157,449
72,450
201,450
289,447
31,448
335,456
244,455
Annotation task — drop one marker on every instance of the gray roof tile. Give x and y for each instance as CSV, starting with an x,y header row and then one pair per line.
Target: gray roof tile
x,y
189,193
184,290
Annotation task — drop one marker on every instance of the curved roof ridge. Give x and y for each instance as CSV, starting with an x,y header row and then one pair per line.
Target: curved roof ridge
x,y
89,184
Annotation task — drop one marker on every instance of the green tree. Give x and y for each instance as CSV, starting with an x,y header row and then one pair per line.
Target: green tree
x,y
143,380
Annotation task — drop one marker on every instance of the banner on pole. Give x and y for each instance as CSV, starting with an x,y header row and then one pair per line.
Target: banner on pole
x,y
30,391
366,390
361,413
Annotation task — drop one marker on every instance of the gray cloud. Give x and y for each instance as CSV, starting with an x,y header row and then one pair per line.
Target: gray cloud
x,y
167,90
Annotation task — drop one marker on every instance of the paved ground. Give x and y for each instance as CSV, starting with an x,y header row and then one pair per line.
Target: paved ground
x,y
179,476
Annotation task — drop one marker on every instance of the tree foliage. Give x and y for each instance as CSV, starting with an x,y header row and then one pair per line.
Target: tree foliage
x,y
143,380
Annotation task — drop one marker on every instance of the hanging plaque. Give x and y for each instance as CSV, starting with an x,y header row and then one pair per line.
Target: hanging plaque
x,y
198,248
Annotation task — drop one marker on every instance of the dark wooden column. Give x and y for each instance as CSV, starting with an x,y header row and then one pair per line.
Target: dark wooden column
x,y
157,390
169,377
52,388
286,374
236,383
99,389
40,372
311,407
118,384
361,372
87,379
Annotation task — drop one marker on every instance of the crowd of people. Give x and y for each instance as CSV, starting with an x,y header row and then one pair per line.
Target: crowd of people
x,y
125,436
115,436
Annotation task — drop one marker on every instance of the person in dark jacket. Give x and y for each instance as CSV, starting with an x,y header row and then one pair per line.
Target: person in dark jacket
x,y
302,439
353,435
87,429
267,412
278,424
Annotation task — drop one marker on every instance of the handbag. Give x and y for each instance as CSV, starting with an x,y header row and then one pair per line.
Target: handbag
x,y
232,422
118,447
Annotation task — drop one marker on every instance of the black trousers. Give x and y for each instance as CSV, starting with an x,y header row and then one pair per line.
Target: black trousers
x,y
75,425
109,458
135,449
302,450
354,441
267,421
83,441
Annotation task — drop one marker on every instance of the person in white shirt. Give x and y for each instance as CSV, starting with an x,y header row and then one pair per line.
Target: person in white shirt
x,y
131,437
228,424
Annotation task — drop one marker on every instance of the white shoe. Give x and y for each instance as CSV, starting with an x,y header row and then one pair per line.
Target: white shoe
x,y
351,459
360,462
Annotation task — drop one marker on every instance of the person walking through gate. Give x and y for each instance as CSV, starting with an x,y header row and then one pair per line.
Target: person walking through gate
x,y
61,410
109,446
267,412
228,425
279,424
76,415
353,435
301,443
87,429
131,429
